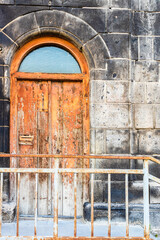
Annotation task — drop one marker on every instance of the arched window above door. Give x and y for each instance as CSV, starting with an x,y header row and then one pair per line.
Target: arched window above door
x,y
49,59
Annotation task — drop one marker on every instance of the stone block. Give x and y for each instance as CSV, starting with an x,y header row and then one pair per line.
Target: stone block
x,y
121,3
116,70
21,26
1,112
157,48
135,4
8,212
34,2
148,5
117,192
1,140
6,112
146,48
152,92
6,1
118,45
92,115
6,142
139,92
112,115
49,18
136,192
85,3
78,27
100,141
133,142
98,191
146,71
93,141
157,116
118,21
1,70
111,164
117,92
154,22
98,92
149,142
5,88
96,18
99,51
117,141
140,24
154,193
144,116
5,44
134,48
154,169
9,13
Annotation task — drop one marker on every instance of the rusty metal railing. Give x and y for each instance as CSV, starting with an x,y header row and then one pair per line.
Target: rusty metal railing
x,y
75,171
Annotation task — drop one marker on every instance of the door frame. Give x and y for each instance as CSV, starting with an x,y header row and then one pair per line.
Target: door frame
x,y
15,76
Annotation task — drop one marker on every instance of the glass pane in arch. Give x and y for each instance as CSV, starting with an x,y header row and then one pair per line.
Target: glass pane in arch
x,y
50,59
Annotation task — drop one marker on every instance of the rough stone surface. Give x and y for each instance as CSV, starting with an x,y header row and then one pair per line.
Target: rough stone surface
x,y
85,3
146,50
6,1
111,115
116,70
34,2
99,51
143,116
118,21
50,18
9,13
146,71
8,211
78,27
149,141
22,25
5,44
118,45
96,18
121,3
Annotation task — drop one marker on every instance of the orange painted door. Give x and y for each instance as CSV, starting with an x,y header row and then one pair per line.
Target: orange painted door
x,y
50,121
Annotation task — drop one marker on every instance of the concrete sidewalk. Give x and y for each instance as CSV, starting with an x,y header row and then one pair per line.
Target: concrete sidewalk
x,y
65,228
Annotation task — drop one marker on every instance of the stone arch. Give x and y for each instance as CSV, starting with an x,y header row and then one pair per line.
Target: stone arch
x,y
58,23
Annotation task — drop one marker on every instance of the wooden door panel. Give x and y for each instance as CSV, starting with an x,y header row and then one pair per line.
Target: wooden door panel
x,y
54,117
43,145
71,140
26,121
67,138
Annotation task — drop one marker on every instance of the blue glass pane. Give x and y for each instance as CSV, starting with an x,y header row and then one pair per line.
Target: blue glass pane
x,y
50,60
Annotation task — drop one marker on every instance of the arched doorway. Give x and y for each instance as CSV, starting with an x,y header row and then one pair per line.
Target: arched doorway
x,y
49,115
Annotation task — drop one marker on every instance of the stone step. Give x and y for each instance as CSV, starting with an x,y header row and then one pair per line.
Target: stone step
x,y
118,213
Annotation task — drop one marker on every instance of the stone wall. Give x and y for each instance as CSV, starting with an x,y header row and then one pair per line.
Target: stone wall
x,y
120,39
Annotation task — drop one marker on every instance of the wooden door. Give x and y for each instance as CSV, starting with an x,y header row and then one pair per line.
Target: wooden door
x,y
51,115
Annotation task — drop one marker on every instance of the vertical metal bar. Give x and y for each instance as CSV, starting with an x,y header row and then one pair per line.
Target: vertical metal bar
x,y
126,196
18,197
146,199
35,206
55,234
1,200
109,205
92,205
75,205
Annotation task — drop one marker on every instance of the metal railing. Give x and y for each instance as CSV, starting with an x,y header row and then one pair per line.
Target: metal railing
x,y
89,171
